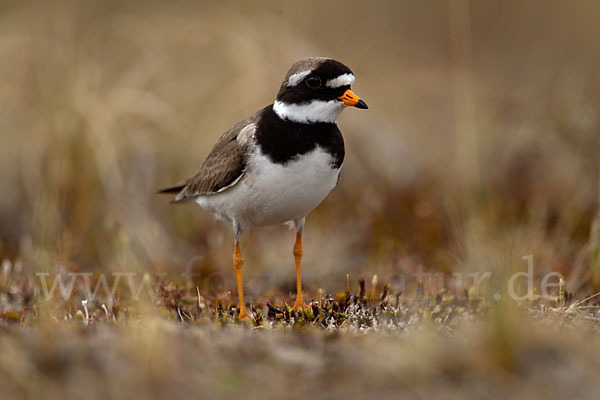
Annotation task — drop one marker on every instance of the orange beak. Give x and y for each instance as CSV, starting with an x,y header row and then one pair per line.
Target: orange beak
x,y
350,99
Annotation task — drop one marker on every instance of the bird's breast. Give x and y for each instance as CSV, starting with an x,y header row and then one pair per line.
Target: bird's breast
x,y
277,193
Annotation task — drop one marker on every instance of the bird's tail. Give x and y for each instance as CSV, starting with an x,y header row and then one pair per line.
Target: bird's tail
x,y
172,189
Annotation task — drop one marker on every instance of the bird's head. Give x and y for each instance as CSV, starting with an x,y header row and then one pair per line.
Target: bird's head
x,y
316,90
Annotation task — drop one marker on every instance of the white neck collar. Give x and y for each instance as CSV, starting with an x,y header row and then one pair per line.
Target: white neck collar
x,y
315,111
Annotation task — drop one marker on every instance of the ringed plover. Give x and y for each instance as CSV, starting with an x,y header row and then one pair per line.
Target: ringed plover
x,y
280,163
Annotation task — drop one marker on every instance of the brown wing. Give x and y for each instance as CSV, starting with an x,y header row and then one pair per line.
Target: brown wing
x,y
224,165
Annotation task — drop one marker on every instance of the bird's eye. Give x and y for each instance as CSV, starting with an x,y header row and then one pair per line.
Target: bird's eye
x,y
313,82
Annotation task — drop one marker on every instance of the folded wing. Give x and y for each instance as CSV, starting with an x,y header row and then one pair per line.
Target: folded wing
x,y
224,166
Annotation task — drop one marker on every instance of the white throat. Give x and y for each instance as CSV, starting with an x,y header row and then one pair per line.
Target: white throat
x,y
306,113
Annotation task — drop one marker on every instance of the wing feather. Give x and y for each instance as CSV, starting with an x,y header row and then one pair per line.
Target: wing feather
x,y
225,164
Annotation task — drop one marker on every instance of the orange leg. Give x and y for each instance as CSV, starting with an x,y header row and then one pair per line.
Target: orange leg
x,y
299,304
238,261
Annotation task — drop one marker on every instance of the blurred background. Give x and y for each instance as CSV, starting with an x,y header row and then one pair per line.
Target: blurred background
x,y
480,145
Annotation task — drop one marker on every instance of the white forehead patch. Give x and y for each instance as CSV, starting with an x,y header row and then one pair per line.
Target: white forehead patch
x,y
342,80
297,78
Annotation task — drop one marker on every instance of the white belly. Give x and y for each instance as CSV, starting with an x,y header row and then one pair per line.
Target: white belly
x,y
273,193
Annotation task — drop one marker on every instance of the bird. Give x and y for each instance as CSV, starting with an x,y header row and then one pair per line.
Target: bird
x,y
279,164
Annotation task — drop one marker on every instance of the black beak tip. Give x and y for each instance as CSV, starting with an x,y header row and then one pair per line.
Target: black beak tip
x,y
361,104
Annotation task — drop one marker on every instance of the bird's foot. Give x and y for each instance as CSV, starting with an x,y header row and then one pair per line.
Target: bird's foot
x,y
299,305
244,317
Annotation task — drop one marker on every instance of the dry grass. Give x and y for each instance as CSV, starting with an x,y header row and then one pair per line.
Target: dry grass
x,y
480,147
352,345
